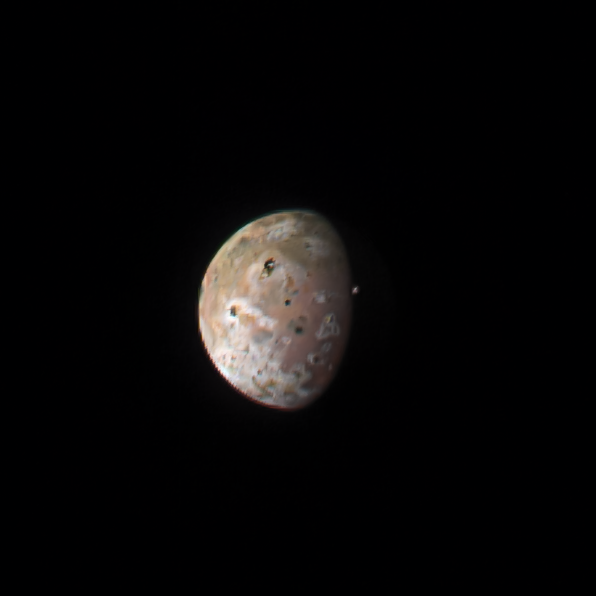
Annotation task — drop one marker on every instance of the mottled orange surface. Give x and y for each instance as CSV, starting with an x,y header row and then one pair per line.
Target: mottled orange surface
x,y
275,308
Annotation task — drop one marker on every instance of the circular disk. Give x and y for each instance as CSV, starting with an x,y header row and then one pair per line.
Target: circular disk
x,y
275,308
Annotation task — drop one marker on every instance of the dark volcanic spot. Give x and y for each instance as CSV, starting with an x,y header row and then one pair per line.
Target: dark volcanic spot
x,y
268,267
298,326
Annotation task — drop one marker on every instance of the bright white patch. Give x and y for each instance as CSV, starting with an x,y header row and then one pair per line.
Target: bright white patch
x,y
253,311
267,322
328,327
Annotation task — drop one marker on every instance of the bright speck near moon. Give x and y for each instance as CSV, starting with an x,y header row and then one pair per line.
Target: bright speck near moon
x,y
275,308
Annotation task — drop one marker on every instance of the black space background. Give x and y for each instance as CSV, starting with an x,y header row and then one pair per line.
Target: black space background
x,y
411,158
154,146
410,392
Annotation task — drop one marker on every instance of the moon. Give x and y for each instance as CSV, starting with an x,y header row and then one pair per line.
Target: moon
x,y
275,308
